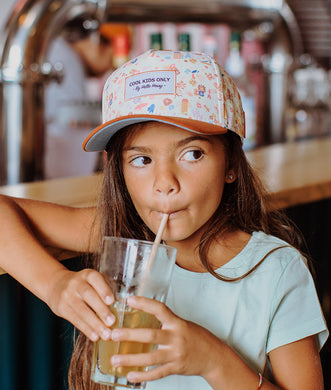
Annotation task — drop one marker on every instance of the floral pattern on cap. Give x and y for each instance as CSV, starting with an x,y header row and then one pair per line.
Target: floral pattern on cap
x,y
187,85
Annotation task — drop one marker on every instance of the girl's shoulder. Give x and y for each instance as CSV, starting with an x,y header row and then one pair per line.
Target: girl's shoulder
x,y
264,252
269,245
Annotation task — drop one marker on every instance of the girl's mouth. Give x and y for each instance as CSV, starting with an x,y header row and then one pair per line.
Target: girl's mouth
x,y
172,214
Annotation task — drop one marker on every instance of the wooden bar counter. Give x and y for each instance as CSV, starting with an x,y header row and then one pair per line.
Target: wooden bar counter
x,y
294,173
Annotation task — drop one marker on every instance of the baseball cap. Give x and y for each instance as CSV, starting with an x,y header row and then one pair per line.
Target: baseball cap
x,y
186,89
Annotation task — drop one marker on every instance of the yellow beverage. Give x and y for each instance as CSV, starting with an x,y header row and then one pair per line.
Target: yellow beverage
x,y
104,350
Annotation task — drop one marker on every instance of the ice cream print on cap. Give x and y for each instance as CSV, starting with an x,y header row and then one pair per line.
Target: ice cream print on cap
x,y
186,89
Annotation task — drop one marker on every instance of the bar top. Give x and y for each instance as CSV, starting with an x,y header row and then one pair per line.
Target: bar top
x,y
294,173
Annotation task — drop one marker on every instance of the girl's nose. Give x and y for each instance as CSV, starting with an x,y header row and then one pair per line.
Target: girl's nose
x,y
166,182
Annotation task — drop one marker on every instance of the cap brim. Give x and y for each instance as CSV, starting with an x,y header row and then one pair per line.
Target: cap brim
x,y
98,139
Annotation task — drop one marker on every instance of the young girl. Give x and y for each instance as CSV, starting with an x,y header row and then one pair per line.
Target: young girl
x,y
242,311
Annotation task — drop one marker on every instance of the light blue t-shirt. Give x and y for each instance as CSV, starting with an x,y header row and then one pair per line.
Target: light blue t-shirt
x,y
275,305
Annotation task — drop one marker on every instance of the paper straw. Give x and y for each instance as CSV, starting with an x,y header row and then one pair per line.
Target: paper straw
x,y
157,240
152,254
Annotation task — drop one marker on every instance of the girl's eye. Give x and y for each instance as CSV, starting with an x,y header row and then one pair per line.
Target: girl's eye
x,y
193,155
140,161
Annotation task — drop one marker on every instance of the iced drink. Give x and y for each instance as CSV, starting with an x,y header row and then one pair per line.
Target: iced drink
x,y
127,318
126,266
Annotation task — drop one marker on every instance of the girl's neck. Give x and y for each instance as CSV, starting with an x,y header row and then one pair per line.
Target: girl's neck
x,y
221,251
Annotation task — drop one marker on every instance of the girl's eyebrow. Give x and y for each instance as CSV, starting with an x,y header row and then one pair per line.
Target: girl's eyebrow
x,y
196,137
179,144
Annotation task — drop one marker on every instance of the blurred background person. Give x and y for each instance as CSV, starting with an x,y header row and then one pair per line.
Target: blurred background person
x,y
73,106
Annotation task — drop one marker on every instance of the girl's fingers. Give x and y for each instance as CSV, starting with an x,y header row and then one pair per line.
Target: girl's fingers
x,y
87,330
151,306
152,374
97,281
94,301
85,320
140,359
81,299
141,335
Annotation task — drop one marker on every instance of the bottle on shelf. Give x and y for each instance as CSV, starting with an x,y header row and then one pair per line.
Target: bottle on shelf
x,y
235,66
156,41
121,49
308,104
120,36
184,42
209,45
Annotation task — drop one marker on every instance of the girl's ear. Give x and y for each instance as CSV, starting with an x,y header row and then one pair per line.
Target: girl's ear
x,y
230,176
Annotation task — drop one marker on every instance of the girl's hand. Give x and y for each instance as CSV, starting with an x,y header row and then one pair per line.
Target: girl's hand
x,y
83,298
184,347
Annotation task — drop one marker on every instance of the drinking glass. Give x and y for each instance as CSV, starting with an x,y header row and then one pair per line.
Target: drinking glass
x,y
130,267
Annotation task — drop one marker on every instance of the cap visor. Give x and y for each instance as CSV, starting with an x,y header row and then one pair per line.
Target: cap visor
x,y
98,139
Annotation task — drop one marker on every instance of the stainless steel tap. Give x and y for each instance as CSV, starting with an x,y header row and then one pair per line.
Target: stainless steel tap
x,y
24,73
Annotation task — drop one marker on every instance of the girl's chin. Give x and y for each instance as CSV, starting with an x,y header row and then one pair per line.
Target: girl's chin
x,y
176,230
179,238
172,238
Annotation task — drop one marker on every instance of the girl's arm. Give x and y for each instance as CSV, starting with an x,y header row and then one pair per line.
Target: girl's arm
x,y
298,365
26,228
186,348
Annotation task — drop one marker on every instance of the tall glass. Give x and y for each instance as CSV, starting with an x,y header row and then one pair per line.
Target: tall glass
x,y
131,268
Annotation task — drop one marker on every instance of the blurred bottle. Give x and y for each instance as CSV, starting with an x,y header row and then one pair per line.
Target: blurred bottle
x,y
120,36
184,42
209,45
308,114
156,41
235,66
121,47
169,36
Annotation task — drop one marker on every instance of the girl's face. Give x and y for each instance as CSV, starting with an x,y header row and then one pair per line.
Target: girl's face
x,y
171,170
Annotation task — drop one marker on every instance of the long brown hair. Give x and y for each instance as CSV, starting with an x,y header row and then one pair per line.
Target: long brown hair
x,y
244,206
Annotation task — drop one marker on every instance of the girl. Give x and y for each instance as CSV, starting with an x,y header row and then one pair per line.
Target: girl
x,y
242,311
